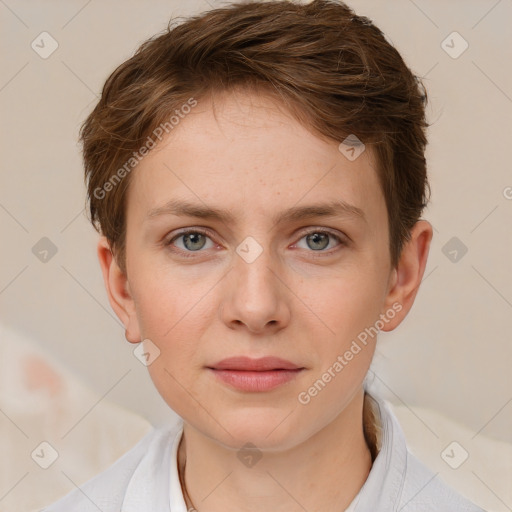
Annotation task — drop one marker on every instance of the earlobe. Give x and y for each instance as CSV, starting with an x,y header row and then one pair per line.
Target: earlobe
x,y
118,291
408,274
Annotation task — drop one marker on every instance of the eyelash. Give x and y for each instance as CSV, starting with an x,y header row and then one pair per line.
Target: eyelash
x,y
341,241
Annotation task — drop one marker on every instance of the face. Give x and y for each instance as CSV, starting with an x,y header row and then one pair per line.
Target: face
x,y
278,277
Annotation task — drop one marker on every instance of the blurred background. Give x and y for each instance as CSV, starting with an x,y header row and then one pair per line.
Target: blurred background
x,y
446,368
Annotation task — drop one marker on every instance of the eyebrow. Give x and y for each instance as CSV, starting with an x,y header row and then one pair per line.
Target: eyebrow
x,y
336,208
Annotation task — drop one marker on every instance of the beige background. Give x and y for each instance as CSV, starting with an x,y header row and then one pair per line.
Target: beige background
x,y
453,352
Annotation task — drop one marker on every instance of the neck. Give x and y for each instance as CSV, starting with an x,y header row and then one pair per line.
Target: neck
x,y
325,472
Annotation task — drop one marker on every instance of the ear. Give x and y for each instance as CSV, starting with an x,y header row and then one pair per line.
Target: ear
x,y
118,291
405,279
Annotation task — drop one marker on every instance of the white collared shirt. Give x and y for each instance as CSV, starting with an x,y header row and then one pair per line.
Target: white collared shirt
x,y
146,479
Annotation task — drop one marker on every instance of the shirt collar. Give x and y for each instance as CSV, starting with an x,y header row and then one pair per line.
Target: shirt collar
x,y
177,499
148,488
383,487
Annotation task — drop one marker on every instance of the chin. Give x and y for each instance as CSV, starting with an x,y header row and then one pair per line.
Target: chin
x,y
266,430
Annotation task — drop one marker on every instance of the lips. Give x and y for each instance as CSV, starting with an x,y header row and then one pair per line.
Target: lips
x,y
245,374
255,375
263,364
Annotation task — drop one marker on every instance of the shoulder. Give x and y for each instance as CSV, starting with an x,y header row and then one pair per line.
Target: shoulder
x,y
424,491
399,480
106,491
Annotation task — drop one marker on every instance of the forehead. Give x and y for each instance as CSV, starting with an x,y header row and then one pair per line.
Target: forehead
x,y
244,152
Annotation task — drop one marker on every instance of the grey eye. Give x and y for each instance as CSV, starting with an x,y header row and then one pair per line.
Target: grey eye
x,y
192,241
318,240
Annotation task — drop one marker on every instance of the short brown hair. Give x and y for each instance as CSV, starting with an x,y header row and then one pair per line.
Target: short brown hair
x,y
331,69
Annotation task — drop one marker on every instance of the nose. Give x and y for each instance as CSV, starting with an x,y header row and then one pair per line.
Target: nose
x,y
255,296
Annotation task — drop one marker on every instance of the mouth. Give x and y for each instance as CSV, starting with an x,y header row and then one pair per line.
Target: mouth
x,y
243,363
255,375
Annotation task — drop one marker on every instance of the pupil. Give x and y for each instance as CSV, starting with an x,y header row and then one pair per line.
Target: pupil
x,y
191,237
316,236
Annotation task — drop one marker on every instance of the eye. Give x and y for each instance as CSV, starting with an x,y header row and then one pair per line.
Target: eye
x,y
192,240
318,240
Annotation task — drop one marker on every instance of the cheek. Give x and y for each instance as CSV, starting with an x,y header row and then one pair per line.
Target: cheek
x,y
348,301
344,342
175,321
169,300
167,317
346,312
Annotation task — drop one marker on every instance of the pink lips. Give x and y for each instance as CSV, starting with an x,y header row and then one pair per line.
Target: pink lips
x,y
262,374
257,365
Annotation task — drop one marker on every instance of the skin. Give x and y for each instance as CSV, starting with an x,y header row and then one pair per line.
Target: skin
x,y
301,300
